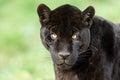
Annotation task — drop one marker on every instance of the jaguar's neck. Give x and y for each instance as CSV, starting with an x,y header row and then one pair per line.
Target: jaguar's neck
x,y
65,74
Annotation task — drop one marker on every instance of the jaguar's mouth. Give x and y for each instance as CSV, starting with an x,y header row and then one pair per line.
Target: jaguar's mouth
x,y
64,62
64,65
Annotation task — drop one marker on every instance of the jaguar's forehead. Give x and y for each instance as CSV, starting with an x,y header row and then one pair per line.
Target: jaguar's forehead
x,y
65,14
66,10
65,19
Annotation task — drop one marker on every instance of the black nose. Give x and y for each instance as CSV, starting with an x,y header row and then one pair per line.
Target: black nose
x,y
63,55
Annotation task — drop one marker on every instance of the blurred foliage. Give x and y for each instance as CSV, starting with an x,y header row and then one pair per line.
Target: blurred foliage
x,y
22,56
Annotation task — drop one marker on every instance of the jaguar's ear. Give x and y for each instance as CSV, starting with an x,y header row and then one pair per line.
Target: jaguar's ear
x,y
43,13
87,16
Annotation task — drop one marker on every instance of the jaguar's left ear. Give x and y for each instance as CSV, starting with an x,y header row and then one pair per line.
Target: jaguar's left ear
x,y
87,16
43,13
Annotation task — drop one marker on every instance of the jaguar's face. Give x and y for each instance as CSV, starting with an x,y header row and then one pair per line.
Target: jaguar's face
x,y
65,47
65,33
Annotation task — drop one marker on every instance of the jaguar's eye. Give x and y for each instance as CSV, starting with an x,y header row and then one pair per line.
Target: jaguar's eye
x,y
53,36
74,36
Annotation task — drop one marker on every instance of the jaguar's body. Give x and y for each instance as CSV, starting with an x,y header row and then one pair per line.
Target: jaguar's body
x,y
82,46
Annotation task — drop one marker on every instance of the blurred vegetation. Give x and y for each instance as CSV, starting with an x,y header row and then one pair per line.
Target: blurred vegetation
x,y
22,56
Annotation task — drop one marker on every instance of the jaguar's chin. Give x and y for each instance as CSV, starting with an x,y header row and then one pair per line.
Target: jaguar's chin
x,y
64,66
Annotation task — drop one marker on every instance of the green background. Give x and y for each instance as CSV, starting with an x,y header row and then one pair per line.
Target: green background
x,y
22,56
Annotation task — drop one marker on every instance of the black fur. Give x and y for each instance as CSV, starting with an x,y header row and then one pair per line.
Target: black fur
x,y
94,54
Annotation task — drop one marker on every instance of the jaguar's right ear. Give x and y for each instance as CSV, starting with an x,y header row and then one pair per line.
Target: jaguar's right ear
x,y
43,13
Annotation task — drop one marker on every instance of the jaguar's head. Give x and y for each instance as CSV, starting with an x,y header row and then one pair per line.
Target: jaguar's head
x,y
65,32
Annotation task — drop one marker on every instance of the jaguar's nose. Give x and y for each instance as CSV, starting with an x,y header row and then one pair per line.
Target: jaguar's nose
x,y
64,55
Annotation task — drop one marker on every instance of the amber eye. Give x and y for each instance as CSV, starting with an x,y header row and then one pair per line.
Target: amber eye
x,y
53,36
74,36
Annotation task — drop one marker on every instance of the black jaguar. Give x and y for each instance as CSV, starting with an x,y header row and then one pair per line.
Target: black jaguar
x,y
83,46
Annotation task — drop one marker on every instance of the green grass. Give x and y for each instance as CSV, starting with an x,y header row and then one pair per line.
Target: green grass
x,y
22,56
